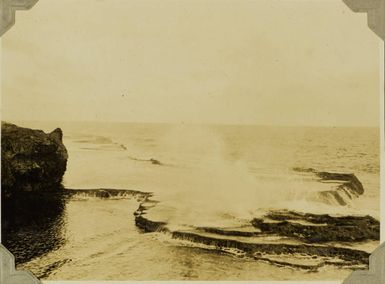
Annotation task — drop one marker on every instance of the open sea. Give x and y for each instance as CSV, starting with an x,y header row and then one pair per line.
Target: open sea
x,y
218,176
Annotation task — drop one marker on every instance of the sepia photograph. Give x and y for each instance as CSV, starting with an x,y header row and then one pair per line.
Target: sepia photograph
x,y
191,140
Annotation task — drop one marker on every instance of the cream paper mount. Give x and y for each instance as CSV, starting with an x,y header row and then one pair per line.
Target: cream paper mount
x,y
8,10
376,272
8,273
375,10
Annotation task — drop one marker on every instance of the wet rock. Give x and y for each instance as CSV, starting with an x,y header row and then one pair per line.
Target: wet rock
x,y
149,226
319,228
102,194
227,232
345,254
282,215
108,193
349,185
328,195
152,161
155,162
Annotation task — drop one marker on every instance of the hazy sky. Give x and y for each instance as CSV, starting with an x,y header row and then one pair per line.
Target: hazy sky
x,y
211,61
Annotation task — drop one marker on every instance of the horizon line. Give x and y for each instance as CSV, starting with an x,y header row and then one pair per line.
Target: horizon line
x,y
190,123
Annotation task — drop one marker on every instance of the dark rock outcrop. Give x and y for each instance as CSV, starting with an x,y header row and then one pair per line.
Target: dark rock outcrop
x,y
228,232
105,193
349,186
33,164
31,160
319,228
148,225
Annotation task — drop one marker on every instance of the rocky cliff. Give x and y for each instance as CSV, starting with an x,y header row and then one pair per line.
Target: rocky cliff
x,y
32,166
31,160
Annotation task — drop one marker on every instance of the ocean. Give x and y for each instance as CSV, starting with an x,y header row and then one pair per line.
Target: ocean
x,y
200,178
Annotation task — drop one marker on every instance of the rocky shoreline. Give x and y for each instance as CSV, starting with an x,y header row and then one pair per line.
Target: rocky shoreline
x,y
33,202
249,245
281,250
307,241
319,228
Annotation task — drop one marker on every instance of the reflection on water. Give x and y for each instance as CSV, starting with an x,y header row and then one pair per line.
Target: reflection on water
x,y
103,243
207,176
32,223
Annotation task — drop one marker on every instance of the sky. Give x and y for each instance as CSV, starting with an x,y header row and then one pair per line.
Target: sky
x,y
266,62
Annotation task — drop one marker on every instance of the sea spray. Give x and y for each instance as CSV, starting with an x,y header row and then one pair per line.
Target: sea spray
x,y
113,247
216,190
